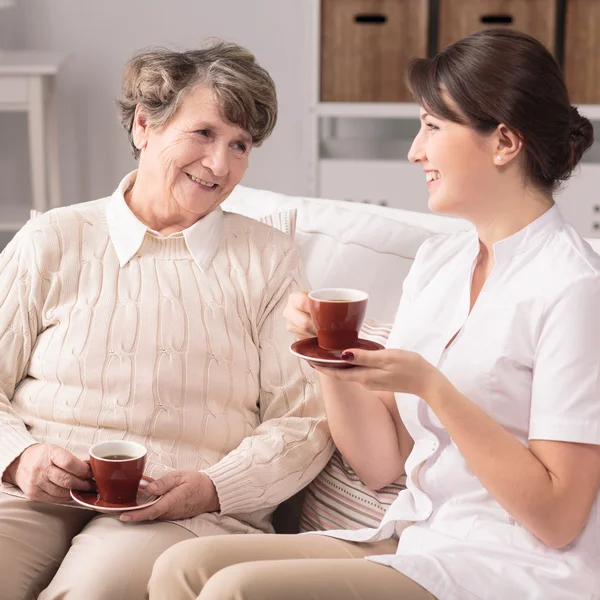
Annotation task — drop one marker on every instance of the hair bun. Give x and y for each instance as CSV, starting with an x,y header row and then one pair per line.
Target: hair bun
x,y
581,136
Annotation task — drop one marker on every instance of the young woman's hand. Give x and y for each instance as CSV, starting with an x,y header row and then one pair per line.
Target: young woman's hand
x,y
387,371
297,315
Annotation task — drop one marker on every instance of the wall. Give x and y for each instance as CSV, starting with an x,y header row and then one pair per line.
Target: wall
x,y
99,37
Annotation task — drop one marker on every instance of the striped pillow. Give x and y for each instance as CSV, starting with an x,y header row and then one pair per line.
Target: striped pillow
x,y
284,221
337,498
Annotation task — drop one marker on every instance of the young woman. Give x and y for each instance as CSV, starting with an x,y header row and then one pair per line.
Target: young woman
x,y
488,394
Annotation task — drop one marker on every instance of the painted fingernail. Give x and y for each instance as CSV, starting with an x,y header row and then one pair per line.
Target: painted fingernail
x,y
347,355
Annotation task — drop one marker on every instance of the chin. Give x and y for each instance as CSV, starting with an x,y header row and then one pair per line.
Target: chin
x,y
441,205
438,206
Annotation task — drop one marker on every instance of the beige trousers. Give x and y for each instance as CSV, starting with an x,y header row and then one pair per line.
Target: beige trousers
x,y
279,567
55,552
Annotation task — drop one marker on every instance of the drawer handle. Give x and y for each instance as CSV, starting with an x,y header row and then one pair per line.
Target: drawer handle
x,y
496,19
370,19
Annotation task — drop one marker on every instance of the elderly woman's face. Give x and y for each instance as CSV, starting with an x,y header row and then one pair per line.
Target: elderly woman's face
x,y
197,158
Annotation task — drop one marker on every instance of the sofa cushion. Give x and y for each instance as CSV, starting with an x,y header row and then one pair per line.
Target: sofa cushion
x,y
342,246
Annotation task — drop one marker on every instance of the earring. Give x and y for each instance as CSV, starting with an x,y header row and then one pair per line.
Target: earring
x,y
498,158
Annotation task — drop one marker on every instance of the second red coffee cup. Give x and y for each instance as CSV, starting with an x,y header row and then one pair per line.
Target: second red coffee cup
x,y
338,314
118,467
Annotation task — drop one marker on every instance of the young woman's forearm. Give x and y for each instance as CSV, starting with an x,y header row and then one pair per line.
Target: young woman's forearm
x,y
509,470
363,431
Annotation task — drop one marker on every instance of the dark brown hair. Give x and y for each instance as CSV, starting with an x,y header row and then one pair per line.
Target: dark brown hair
x,y
503,76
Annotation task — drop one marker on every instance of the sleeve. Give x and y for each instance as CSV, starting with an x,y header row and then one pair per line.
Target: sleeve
x,y
565,395
292,444
19,299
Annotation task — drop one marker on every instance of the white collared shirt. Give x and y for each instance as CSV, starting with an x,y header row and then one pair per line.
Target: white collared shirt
x,y
127,232
529,355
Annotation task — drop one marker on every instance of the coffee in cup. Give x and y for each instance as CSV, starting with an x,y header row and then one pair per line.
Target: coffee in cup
x,y
118,467
338,314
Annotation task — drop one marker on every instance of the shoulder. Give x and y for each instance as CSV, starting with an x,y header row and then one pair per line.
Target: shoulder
x,y
566,264
571,254
65,218
51,235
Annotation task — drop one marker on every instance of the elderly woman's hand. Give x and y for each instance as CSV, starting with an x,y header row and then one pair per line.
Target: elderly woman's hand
x,y
46,473
297,315
388,371
184,494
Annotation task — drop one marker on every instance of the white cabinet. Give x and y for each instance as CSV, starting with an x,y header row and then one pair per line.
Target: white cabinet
x,y
27,84
358,152
579,201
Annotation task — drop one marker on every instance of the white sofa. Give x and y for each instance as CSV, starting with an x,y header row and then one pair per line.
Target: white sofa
x,y
347,244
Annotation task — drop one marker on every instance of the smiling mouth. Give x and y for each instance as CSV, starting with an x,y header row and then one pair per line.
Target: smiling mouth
x,y
205,184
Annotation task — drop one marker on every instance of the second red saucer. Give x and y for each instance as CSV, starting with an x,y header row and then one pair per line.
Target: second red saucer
x,y
92,500
310,351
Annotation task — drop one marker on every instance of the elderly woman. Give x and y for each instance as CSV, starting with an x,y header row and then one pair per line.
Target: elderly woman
x,y
153,316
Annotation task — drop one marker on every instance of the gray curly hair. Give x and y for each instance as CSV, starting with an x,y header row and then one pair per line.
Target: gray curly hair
x,y
159,79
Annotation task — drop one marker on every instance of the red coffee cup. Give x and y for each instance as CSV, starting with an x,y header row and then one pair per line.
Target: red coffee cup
x,y
338,314
118,467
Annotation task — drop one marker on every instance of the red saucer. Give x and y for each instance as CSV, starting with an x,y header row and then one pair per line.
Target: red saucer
x,y
310,351
92,500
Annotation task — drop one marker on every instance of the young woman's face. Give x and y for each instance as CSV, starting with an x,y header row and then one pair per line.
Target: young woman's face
x,y
458,165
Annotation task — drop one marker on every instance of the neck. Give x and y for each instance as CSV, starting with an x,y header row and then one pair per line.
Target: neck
x,y
517,211
155,207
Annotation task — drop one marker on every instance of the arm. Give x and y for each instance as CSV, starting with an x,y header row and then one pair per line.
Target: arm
x,y
292,444
42,471
18,331
367,429
366,426
550,485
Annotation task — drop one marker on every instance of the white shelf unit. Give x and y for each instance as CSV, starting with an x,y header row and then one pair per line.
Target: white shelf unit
x,y
358,151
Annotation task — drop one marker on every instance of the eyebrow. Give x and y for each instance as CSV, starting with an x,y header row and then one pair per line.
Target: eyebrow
x,y
243,137
247,138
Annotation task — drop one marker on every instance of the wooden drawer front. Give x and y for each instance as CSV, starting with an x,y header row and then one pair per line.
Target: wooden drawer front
x,y
13,90
459,18
582,51
366,45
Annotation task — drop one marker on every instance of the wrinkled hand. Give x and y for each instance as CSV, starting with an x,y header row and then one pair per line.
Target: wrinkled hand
x,y
46,473
387,371
297,315
184,494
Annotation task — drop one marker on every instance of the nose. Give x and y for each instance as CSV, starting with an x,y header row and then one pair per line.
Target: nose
x,y
417,149
217,160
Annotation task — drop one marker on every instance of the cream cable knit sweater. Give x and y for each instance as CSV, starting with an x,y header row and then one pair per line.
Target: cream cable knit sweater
x,y
194,365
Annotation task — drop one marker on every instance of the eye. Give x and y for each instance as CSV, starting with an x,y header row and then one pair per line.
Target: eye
x,y
431,126
240,146
203,132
